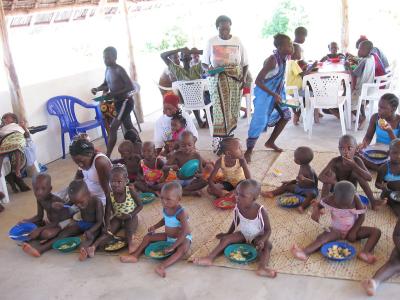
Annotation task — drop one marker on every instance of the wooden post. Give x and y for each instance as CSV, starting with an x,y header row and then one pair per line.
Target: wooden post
x,y
13,83
345,26
132,66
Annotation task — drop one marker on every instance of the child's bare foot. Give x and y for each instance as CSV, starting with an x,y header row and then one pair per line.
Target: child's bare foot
x,y
300,209
273,146
369,286
266,272
83,255
298,252
90,251
367,257
267,194
203,261
247,156
28,249
128,259
160,270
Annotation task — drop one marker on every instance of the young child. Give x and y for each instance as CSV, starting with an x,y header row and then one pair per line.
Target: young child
x,y
178,126
130,156
269,92
389,269
347,167
388,179
300,35
233,165
119,85
123,206
306,183
151,169
348,214
177,230
91,210
333,52
187,151
56,219
250,225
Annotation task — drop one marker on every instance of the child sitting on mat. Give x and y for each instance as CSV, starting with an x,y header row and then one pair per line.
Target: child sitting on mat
x,y
250,225
233,166
122,208
389,269
388,179
177,230
347,214
347,167
131,155
191,185
306,183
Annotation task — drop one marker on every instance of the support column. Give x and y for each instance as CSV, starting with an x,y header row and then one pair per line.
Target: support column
x,y
345,26
13,83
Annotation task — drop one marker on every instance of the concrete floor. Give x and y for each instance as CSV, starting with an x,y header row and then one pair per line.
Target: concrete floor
x,y
57,276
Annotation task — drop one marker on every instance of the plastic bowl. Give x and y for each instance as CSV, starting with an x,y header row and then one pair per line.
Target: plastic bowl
x,y
67,244
115,245
190,168
226,202
248,251
364,200
324,250
147,197
156,247
21,231
281,200
334,60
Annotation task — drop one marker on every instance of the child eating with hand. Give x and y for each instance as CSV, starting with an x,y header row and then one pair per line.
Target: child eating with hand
x,y
233,166
348,215
306,183
177,230
250,225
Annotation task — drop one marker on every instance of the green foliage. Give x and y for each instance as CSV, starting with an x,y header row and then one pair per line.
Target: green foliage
x,y
286,18
172,38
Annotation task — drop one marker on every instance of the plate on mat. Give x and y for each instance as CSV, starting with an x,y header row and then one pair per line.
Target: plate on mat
x,y
21,231
156,250
290,200
147,197
115,245
338,251
240,253
67,244
190,168
226,202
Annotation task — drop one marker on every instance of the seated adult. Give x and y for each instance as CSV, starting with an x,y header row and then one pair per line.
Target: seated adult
x,y
162,130
187,72
385,124
94,167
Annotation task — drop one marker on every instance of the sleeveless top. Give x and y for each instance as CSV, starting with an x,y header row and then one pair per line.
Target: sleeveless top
x,y
382,136
172,221
92,181
249,228
125,207
234,174
389,176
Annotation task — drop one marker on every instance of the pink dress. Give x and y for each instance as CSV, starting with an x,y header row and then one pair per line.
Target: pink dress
x,y
343,219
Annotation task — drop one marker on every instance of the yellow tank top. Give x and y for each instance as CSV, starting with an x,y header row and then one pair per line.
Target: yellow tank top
x,y
234,174
125,207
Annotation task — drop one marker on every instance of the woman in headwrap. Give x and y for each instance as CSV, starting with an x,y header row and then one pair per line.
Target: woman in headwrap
x,y
94,167
162,130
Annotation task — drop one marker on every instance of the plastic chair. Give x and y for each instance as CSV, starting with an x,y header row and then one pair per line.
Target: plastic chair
x,y
372,92
192,93
64,108
327,91
295,91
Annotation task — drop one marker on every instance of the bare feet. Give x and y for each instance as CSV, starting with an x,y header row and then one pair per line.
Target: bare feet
x,y
267,194
90,251
369,286
160,271
266,272
247,156
367,257
203,261
298,252
83,255
28,249
300,209
273,146
128,259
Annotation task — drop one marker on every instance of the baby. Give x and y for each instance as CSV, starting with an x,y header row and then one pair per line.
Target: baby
x,y
306,183
178,126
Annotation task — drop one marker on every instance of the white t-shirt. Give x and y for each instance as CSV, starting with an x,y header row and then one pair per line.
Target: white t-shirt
x,y
163,132
219,52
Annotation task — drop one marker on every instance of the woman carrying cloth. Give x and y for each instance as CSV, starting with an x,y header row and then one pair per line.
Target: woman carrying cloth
x,y
226,54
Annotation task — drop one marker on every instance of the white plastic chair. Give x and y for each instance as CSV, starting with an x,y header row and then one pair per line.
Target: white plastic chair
x,y
192,93
327,92
292,92
372,92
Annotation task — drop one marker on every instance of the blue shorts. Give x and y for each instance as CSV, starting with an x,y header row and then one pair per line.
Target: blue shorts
x,y
304,191
83,225
173,240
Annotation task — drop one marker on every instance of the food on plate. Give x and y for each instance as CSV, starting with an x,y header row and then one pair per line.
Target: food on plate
x,y
289,200
159,253
338,252
239,254
67,246
115,246
377,155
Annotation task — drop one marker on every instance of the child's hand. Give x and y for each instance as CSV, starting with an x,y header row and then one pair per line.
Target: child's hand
x,y
94,91
349,162
387,127
260,243
362,146
151,229
277,98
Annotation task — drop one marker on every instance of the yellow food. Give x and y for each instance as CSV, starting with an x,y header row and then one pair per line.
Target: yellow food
x,y
377,155
289,200
116,246
159,253
382,122
239,254
67,246
338,252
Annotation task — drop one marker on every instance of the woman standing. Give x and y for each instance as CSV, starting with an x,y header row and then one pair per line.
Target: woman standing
x,y
226,51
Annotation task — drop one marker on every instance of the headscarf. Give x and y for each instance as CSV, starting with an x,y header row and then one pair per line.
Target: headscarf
x,y
171,99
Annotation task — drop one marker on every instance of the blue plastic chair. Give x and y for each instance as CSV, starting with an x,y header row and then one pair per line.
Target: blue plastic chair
x,y
64,108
